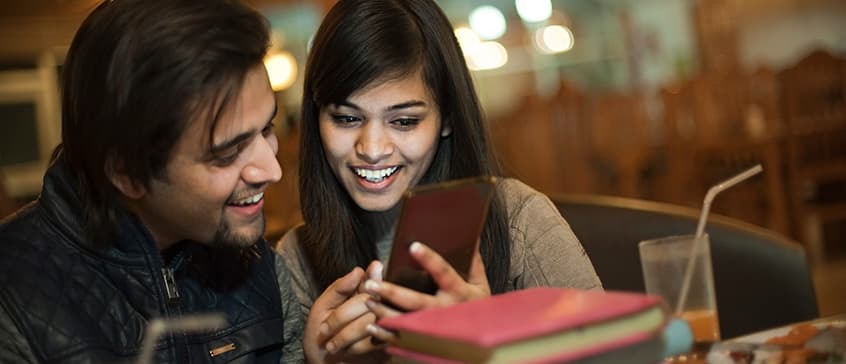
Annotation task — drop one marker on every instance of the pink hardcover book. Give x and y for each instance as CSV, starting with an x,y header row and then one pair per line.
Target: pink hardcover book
x,y
535,324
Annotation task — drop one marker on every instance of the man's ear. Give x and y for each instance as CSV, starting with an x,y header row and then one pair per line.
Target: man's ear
x,y
128,187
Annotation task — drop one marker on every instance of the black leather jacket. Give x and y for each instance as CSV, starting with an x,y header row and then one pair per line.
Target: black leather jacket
x,y
62,300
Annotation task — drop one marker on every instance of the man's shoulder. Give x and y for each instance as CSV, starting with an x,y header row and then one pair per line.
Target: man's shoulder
x,y
22,234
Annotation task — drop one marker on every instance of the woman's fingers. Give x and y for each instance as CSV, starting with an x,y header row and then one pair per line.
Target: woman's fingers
x,y
338,292
381,334
478,277
343,315
381,310
404,298
334,296
442,272
349,339
452,288
374,270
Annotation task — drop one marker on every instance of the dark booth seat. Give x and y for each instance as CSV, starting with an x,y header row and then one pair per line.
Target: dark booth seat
x,y
762,279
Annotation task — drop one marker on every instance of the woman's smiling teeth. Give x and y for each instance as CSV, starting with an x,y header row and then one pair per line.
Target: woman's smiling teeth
x,y
249,200
375,175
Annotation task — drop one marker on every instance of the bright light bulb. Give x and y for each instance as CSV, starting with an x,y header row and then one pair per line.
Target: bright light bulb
x,y
554,39
488,22
533,11
467,38
487,56
281,69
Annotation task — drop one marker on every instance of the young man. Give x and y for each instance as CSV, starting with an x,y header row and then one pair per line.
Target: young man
x,y
152,207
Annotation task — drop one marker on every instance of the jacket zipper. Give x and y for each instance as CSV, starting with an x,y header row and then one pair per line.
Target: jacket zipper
x,y
170,286
174,302
172,307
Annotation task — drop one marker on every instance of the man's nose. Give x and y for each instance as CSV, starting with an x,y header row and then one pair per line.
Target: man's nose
x,y
264,167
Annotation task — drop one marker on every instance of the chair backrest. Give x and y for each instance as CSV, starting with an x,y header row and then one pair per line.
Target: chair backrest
x,y
7,204
762,279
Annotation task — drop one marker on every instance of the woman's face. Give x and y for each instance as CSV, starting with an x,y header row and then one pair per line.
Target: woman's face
x,y
382,139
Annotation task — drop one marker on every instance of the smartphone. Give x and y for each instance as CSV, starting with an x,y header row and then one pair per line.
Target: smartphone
x,y
448,217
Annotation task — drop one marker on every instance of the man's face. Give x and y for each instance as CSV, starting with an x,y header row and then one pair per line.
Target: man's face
x,y
217,195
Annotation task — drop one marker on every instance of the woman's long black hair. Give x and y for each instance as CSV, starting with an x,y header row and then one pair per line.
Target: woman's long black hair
x,y
366,41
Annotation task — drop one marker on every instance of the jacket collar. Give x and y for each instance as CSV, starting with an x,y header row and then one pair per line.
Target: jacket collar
x,y
60,199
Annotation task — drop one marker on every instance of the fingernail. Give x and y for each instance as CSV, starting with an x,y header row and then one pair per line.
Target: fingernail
x,y
324,329
370,304
371,285
330,347
416,247
378,270
372,329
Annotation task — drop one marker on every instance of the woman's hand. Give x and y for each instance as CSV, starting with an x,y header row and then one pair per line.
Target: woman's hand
x,y
452,288
337,325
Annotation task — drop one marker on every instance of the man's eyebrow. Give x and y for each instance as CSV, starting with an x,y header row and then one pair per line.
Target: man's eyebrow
x,y
400,106
240,138
231,142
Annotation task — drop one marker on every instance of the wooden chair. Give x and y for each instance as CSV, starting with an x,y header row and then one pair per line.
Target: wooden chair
x,y
762,279
542,142
717,125
813,94
571,128
526,143
7,204
621,141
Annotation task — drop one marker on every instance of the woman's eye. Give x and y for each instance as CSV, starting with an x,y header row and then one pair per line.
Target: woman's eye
x,y
345,119
405,123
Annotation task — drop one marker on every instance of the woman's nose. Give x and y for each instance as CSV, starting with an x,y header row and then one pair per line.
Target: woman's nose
x,y
374,144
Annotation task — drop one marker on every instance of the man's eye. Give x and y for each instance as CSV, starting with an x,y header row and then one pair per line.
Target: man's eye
x,y
267,130
226,159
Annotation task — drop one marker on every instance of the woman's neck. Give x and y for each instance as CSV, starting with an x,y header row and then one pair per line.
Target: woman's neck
x,y
381,222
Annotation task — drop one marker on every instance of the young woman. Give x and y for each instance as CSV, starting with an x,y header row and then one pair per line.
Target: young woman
x,y
389,104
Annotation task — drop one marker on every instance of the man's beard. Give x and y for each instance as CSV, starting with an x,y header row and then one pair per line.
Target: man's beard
x,y
225,236
226,263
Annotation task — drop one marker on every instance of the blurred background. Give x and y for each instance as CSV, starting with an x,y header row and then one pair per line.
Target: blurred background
x,y
647,99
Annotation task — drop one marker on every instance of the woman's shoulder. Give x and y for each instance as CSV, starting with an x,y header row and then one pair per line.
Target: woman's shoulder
x,y
290,241
517,194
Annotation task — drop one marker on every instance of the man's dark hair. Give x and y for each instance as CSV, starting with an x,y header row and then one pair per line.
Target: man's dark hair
x,y
137,73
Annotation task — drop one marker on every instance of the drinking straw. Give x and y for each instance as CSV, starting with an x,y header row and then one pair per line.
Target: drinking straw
x,y
187,323
700,228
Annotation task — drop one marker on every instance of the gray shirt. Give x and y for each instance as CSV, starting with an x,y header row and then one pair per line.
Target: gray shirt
x,y
544,250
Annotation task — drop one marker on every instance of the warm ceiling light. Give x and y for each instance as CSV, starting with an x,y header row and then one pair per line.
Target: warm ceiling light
x,y
554,39
533,11
467,38
488,22
487,56
281,69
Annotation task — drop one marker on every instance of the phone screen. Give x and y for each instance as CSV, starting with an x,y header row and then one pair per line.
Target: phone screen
x,y
449,218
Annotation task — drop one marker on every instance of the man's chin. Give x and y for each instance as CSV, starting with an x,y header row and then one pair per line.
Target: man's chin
x,y
243,237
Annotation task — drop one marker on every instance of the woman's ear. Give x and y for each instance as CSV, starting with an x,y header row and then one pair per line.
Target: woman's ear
x,y
446,130
128,187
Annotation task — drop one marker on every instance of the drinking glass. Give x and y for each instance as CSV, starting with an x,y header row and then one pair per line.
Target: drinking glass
x,y
664,262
